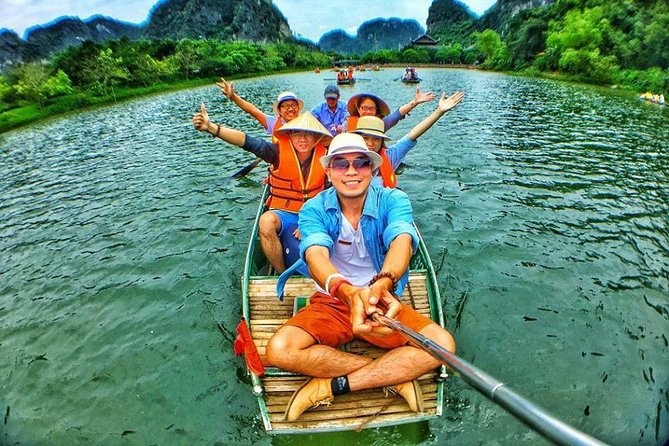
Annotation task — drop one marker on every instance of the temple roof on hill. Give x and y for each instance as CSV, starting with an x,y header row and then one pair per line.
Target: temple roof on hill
x,y
424,39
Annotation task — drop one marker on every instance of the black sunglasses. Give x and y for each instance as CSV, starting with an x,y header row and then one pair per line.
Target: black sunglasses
x,y
343,164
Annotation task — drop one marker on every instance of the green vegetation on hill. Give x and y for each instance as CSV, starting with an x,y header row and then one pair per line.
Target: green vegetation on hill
x,y
94,73
621,42
598,41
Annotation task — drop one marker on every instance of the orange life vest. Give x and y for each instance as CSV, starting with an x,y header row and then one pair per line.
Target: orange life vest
x,y
277,126
288,190
352,123
386,171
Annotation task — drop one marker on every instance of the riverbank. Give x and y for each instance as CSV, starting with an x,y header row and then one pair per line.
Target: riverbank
x,y
19,117
62,105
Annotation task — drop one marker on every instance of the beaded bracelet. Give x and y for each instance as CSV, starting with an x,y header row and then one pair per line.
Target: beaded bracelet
x,y
218,130
387,274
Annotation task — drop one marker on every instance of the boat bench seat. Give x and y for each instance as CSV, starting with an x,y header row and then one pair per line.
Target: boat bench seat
x,y
356,410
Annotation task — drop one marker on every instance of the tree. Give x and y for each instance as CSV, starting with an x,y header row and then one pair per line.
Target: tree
x,y
527,41
488,42
449,54
58,85
29,82
108,72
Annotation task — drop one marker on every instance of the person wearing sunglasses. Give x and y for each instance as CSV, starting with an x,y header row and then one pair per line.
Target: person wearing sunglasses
x,y
286,107
367,104
295,175
371,129
357,240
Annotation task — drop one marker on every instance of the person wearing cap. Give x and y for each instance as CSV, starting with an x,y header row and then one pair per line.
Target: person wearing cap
x,y
295,175
357,240
286,107
367,104
371,128
331,113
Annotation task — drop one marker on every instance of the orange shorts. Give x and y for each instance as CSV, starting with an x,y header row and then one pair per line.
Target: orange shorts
x,y
328,321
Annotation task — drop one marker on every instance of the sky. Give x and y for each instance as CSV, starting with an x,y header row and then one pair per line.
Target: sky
x,y
310,18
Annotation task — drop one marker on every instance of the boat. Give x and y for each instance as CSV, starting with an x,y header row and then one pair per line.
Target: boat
x,y
654,98
265,313
346,81
410,76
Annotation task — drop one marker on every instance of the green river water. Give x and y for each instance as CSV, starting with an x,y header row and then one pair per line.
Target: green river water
x,y
545,207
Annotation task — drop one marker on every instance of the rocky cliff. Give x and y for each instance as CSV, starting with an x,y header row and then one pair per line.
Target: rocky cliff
x,y
450,21
255,20
12,48
69,31
372,35
501,13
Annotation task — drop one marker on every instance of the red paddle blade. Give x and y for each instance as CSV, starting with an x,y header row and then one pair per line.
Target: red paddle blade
x,y
244,343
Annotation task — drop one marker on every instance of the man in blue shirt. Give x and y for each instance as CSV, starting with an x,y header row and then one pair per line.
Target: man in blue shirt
x,y
331,113
357,240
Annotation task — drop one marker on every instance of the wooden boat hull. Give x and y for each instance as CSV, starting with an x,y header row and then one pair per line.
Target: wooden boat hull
x,y
411,81
345,81
353,411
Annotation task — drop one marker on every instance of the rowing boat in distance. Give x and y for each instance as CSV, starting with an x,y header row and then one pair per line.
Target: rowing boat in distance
x,y
265,313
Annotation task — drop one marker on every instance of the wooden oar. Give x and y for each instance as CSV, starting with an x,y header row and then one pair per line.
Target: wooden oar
x,y
246,169
530,414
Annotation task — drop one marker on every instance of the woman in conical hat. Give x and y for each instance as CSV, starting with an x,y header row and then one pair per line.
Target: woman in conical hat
x,y
367,104
372,130
295,176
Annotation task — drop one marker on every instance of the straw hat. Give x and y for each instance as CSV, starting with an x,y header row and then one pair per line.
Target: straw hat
x,y
371,126
287,96
305,122
345,143
352,105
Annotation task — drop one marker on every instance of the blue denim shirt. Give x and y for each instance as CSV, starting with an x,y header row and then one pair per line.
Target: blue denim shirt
x,y
386,214
330,120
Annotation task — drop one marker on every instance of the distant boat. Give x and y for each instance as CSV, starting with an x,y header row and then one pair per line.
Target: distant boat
x,y
654,98
346,81
410,76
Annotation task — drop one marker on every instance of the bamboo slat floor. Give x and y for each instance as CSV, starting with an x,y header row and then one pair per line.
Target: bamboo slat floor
x,y
356,410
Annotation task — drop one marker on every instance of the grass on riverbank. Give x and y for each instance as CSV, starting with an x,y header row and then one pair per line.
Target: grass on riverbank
x,y
31,113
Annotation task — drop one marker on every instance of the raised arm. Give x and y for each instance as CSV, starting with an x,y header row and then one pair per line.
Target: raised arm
x,y
202,123
445,104
418,98
228,89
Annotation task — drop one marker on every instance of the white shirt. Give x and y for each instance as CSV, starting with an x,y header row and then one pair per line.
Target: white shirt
x,y
350,256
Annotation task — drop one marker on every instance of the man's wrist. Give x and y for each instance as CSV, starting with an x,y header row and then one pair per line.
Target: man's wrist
x,y
385,282
385,276
336,288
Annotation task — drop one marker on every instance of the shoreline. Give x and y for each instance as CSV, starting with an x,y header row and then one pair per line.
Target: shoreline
x,y
15,119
